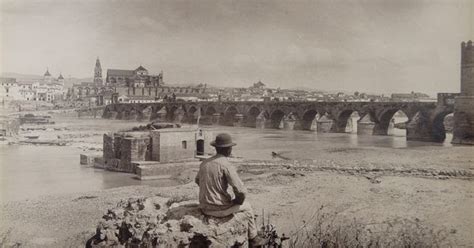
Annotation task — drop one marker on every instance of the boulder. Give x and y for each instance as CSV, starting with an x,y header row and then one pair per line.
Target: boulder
x,y
162,222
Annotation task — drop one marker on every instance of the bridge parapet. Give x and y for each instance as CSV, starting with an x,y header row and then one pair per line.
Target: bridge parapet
x,y
447,99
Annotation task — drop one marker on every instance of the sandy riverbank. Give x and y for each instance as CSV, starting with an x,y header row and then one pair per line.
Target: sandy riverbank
x,y
288,195
368,180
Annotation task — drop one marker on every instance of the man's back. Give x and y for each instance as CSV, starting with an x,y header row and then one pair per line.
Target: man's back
x,y
214,177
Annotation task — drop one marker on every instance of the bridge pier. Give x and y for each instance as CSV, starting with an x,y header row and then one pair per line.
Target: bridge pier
x,y
133,115
160,116
145,114
324,124
365,126
380,129
463,132
178,115
260,122
290,122
215,120
120,115
420,129
238,120
111,115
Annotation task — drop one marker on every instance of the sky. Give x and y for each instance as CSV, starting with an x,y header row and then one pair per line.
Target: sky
x,y
378,46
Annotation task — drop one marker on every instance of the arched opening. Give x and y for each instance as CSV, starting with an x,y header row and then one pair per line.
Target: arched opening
x,y
443,124
347,121
191,118
229,116
276,119
352,121
170,113
308,122
397,124
207,117
160,114
251,118
392,122
200,147
210,111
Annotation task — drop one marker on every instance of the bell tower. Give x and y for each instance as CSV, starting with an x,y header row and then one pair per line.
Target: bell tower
x,y
98,72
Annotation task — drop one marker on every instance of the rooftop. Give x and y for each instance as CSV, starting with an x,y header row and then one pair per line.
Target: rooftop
x,y
119,72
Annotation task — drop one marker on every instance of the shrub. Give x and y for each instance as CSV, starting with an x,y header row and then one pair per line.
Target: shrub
x,y
330,230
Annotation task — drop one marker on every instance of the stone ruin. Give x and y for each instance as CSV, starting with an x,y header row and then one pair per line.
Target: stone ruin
x,y
163,222
154,151
9,127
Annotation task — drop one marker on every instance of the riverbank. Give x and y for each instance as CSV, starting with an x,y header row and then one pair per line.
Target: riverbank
x,y
288,196
52,201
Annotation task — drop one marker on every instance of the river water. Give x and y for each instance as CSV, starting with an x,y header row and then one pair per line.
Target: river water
x,y
29,171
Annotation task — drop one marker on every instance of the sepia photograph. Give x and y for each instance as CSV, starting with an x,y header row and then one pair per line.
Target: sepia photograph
x,y
237,123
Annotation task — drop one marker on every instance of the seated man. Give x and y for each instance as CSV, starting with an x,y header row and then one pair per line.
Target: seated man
x,y
214,177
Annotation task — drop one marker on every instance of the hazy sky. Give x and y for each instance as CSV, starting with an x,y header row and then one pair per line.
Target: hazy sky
x,y
371,45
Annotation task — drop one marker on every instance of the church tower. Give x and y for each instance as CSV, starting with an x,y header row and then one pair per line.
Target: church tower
x,y
98,72
61,79
47,76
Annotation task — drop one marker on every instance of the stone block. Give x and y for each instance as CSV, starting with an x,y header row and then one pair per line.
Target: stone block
x,y
365,128
324,126
289,124
108,146
117,146
112,164
88,159
99,162
150,170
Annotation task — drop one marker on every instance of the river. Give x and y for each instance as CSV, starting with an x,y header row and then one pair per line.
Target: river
x,y
32,171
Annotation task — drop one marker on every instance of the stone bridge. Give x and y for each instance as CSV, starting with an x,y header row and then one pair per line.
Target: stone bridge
x,y
96,111
425,119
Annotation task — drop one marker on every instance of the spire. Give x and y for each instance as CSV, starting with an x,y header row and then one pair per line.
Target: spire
x,y
60,76
47,74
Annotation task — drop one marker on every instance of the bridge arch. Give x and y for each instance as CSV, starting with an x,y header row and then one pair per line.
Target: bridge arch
x,y
438,125
229,115
207,113
210,110
308,119
171,112
191,114
276,118
251,116
385,120
345,121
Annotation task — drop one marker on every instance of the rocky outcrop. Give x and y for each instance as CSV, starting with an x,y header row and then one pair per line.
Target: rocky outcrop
x,y
162,222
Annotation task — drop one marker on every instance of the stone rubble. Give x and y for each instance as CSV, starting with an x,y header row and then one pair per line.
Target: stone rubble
x,y
159,221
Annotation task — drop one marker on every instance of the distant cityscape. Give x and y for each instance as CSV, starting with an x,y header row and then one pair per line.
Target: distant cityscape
x,y
139,86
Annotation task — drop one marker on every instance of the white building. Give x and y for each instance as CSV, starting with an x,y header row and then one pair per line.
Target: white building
x,y
48,89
